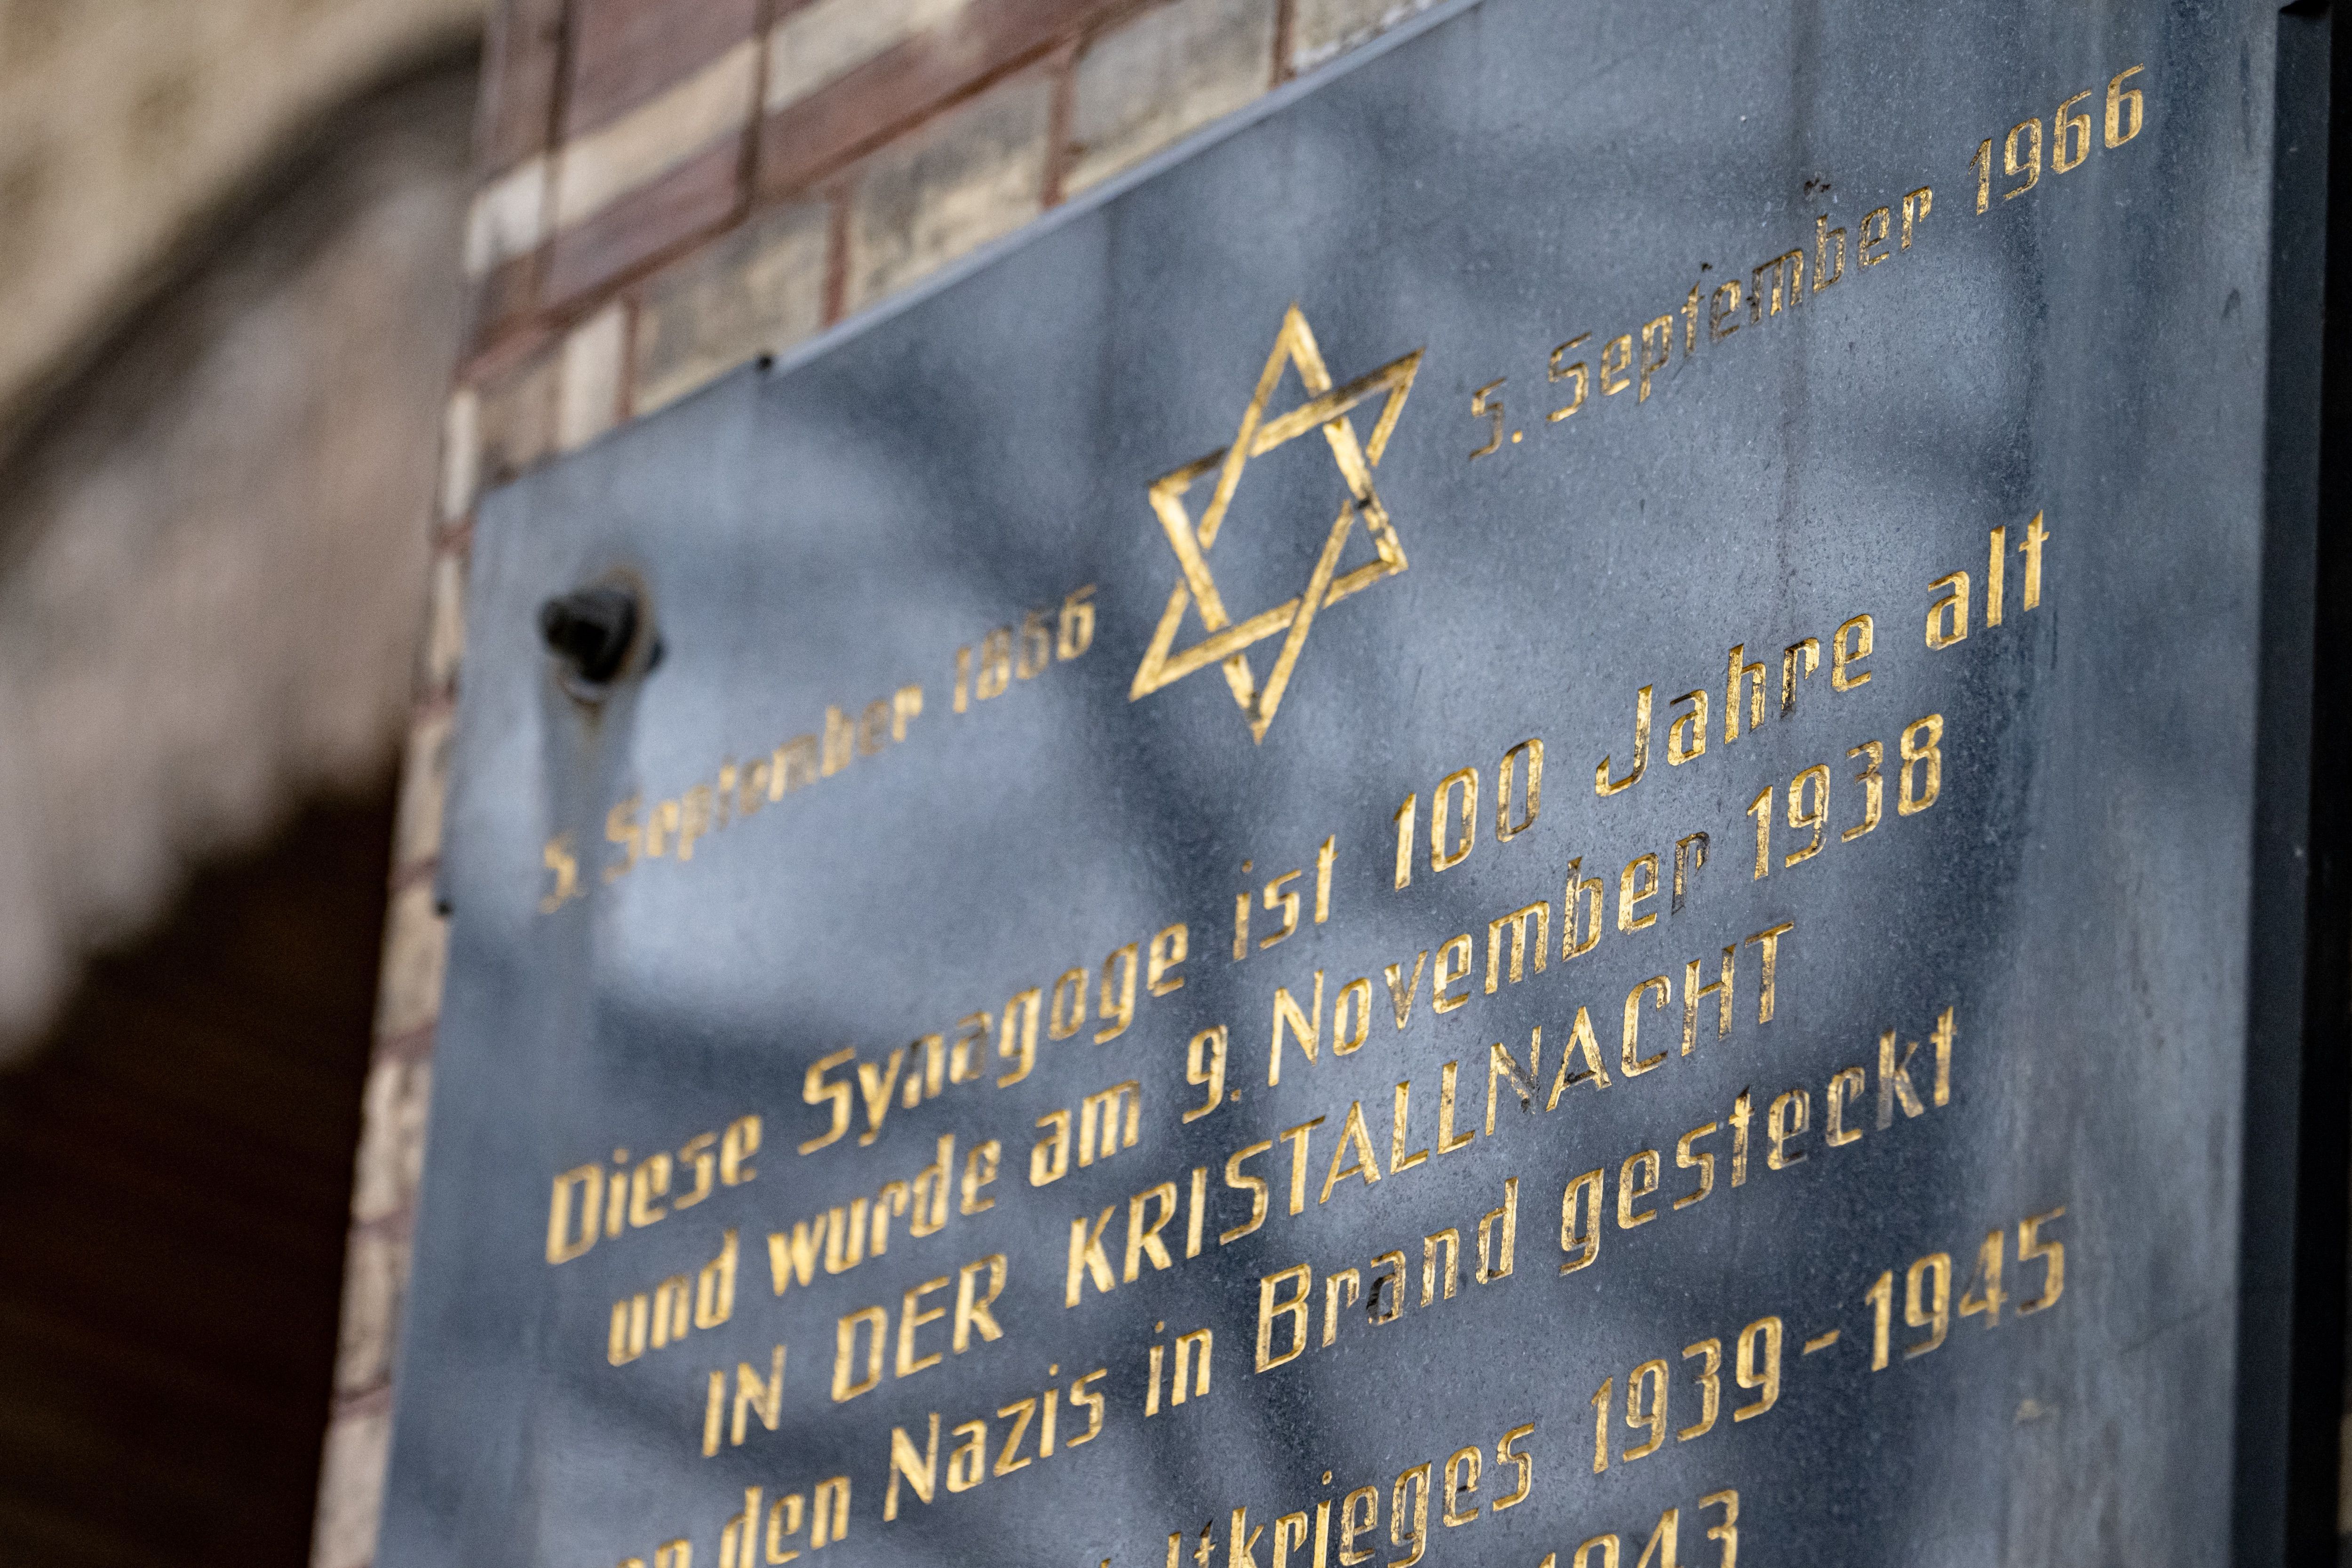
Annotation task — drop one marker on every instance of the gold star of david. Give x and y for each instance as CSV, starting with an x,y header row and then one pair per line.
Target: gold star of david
x,y
1327,410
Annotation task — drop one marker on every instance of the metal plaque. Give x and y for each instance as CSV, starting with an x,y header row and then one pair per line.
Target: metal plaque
x,y
1543,811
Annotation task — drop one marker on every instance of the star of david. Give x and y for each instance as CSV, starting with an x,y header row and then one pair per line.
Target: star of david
x,y
1227,642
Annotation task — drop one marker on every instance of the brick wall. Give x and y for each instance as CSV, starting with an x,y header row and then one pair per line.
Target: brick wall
x,y
667,189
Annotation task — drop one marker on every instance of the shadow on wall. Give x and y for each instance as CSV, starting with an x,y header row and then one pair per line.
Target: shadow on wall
x,y
212,544
176,1164
213,550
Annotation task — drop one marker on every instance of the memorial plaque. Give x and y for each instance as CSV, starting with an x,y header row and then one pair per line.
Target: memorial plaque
x,y
1547,810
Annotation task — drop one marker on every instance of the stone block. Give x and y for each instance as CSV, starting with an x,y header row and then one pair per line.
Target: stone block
x,y
508,218
416,946
966,178
517,418
351,1490
424,787
393,1109
1168,71
376,1279
445,625
755,291
588,402
1321,29
461,453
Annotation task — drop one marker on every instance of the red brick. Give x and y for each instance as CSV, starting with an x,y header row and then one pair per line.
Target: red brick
x,y
504,296
691,199
627,51
495,362
521,62
805,140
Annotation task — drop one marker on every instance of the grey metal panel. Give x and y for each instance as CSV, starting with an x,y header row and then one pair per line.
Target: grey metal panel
x,y
1514,175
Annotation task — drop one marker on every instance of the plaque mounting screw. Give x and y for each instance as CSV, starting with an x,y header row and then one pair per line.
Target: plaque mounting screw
x,y
591,629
